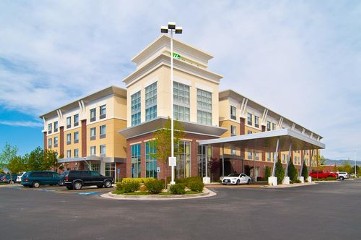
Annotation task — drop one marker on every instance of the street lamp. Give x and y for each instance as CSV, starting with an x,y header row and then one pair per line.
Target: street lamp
x,y
177,30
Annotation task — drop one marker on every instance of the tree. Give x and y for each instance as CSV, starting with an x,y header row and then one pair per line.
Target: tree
x,y
17,165
163,141
9,152
304,171
292,171
280,172
35,159
346,167
267,172
50,160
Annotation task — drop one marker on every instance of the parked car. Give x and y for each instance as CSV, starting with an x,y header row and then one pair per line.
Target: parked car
x,y
76,179
236,178
9,178
18,178
322,175
37,178
342,175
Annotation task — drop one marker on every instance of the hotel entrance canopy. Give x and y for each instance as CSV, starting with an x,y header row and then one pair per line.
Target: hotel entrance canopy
x,y
267,141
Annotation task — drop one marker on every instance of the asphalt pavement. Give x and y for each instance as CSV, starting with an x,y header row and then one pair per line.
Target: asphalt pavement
x,y
322,211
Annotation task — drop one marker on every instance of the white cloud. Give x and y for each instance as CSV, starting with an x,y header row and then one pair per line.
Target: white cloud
x,y
301,59
21,123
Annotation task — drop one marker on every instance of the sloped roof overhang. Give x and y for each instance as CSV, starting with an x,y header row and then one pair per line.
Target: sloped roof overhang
x,y
152,126
267,141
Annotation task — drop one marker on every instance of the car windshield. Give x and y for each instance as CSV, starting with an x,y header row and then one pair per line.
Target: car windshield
x,y
233,175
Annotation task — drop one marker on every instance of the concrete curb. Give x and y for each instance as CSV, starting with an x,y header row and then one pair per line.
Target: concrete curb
x,y
290,185
205,194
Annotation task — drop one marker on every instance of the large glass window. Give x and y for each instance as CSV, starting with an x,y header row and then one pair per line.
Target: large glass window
x,y
68,122
93,133
103,131
256,121
135,109
76,137
249,119
76,120
68,138
233,113
183,168
181,102
233,130
76,152
110,170
268,126
203,153
204,107
135,159
55,141
56,126
103,112
102,149
50,143
93,113
50,128
151,161
92,150
68,153
151,102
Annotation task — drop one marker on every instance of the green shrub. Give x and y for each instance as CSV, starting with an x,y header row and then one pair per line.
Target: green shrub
x,y
195,185
292,172
140,180
280,172
304,171
267,173
177,188
128,186
154,186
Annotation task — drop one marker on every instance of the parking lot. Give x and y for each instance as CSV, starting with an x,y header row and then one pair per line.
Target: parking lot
x,y
321,211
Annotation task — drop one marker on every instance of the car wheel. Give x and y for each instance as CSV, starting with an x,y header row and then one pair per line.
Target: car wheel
x,y
249,181
237,182
11,182
342,178
36,184
108,184
77,185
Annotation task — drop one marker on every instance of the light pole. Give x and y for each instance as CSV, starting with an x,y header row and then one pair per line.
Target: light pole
x,y
177,30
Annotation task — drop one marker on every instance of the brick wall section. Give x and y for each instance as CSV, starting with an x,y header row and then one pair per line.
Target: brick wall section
x,y
61,141
83,138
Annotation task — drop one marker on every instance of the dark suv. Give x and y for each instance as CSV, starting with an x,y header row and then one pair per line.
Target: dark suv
x,y
75,179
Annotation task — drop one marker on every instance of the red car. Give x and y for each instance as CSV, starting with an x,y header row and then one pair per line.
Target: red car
x,y
323,175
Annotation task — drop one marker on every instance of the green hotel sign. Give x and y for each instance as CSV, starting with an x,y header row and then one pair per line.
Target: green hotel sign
x,y
176,55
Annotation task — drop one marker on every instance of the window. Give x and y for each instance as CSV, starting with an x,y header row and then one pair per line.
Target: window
x,y
68,122
68,153
76,137
55,141
181,102
151,102
273,126
68,138
102,150
233,151
93,112
268,156
204,107
249,132
56,126
249,155
249,119
268,126
92,150
76,152
256,121
151,161
183,169
76,120
93,133
50,127
233,113
233,130
50,143
256,155
103,131
103,111
135,159
135,109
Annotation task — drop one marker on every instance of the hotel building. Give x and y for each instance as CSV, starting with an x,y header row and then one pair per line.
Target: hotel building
x,y
112,131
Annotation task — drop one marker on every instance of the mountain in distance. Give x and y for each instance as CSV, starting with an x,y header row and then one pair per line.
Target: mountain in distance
x,y
341,162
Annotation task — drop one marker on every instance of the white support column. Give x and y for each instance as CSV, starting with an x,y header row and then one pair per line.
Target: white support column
x,y
286,179
272,181
206,179
222,160
300,177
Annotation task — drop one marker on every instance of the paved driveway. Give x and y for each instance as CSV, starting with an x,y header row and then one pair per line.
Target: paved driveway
x,y
322,211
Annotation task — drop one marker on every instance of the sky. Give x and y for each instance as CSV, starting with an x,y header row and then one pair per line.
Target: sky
x,y
301,59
